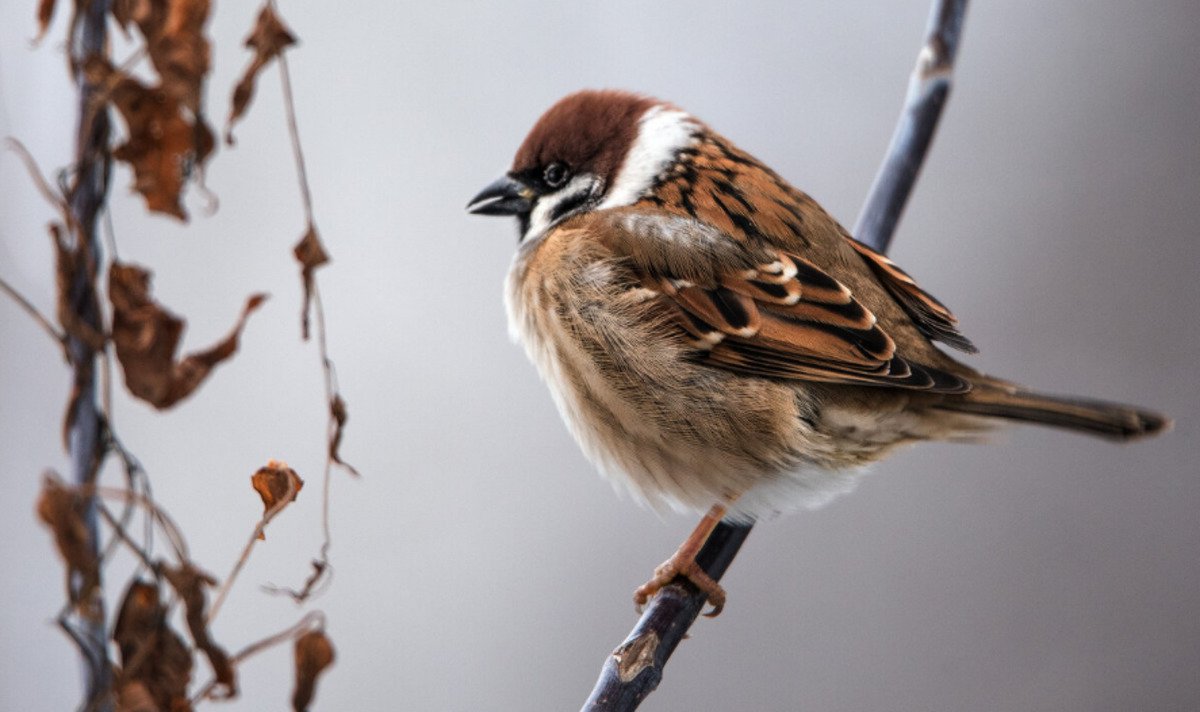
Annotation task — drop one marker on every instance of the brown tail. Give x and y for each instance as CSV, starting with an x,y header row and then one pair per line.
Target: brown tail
x,y
1112,421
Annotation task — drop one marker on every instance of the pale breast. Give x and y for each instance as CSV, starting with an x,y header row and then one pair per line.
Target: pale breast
x,y
673,432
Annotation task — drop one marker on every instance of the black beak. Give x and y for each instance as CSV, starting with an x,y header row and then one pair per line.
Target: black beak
x,y
505,196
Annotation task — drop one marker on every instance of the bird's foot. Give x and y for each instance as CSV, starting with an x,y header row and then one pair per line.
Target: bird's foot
x,y
682,564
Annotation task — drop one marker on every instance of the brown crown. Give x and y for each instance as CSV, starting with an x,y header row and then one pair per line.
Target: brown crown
x,y
589,131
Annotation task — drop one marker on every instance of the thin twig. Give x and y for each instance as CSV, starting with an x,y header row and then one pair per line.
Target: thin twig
x,y
294,131
313,620
30,309
164,520
120,535
288,497
51,195
321,566
635,668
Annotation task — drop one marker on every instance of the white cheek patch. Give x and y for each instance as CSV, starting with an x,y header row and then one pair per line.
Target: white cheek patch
x,y
662,133
543,216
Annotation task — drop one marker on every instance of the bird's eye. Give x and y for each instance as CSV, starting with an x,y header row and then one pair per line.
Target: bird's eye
x,y
555,175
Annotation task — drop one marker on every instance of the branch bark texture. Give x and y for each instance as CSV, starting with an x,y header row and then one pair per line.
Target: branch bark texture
x,y
85,430
634,669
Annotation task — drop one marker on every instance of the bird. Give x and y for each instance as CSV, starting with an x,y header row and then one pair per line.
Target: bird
x,y
717,342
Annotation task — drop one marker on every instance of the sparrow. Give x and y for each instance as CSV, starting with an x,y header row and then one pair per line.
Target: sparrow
x,y
714,340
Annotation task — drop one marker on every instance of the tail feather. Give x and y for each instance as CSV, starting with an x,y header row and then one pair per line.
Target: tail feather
x,y
1112,421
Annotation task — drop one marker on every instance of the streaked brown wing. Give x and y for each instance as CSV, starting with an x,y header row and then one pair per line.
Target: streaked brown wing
x,y
931,317
762,311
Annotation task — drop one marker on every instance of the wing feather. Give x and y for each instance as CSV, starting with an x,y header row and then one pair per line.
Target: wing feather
x,y
931,316
763,311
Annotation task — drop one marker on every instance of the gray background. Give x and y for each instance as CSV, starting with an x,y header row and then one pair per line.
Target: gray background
x,y
481,565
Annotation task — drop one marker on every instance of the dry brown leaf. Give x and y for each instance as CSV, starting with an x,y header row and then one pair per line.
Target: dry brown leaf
x,y
68,262
314,653
146,337
133,696
163,144
189,582
62,509
45,13
175,41
340,416
275,483
311,254
268,39
156,665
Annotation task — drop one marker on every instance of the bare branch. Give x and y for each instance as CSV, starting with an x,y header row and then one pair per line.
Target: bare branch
x,y
928,90
86,198
635,668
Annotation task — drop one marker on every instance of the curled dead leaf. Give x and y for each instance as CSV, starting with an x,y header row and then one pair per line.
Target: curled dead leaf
x,y
268,39
314,653
146,337
311,255
338,409
75,296
278,486
62,509
174,34
134,696
190,582
156,665
163,142
69,261
45,13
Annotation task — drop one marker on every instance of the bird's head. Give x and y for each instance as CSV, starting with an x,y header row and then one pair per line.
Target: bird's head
x,y
591,150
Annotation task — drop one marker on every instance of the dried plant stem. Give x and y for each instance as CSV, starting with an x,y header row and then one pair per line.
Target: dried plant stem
x,y
85,427
634,669
332,398
33,312
331,427
289,103
313,620
288,497
122,536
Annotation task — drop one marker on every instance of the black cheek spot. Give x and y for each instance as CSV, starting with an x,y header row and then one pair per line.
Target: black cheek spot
x,y
568,205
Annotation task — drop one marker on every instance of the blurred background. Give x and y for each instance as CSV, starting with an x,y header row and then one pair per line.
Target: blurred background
x,y
480,562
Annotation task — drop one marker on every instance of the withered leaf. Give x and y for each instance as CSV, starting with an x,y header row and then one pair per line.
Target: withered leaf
x,y
62,509
146,337
276,483
69,261
133,696
163,143
314,653
156,665
268,39
175,41
338,409
189,582
311,254
45,13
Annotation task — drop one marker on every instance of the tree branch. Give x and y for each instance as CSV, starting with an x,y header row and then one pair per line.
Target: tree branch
x,y
928,90
634,669
84,423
